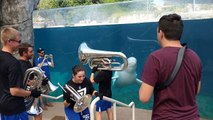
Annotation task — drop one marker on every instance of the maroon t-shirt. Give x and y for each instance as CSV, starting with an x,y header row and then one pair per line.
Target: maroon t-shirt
x,y
178,100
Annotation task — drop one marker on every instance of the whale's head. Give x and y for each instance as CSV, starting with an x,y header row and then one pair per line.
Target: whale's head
x,y
132,64
128,76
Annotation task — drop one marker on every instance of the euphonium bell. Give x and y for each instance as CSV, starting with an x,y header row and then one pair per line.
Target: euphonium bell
x,y
49,87
52,87
105,60
34,109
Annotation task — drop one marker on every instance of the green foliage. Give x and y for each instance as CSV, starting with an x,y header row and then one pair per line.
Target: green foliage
x,y
47,4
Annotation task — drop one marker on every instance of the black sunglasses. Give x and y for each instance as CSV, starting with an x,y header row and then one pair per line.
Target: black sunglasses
x,y
42,52
18,41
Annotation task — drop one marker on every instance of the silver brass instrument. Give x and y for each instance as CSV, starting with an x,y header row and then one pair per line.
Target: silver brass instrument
x,y
45,89
81,102
34,109
33,80
105,60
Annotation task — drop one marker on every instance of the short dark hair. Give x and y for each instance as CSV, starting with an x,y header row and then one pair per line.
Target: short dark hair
x,y
40,50
23,48
77,68
172,26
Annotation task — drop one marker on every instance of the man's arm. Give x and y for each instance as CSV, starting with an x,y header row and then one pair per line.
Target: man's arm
x,y
41,64
52,62
66,98
15,91
92,76
145,92
93,93
198,87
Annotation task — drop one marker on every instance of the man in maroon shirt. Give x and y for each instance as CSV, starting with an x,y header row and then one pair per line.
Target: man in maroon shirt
x,y
178,100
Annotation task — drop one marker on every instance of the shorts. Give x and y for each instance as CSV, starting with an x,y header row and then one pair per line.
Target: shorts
x,y
19,116
103,105
72,115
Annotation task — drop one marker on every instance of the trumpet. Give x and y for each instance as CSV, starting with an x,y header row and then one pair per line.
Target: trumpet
x,y
105,60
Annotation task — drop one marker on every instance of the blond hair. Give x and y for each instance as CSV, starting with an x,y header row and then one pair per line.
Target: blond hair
x,y
9,33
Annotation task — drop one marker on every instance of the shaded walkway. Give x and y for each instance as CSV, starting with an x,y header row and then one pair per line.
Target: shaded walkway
x,y
57,113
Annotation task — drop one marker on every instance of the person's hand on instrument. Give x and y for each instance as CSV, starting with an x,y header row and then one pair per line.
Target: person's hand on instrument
x,y
46,56
94,69
100,95
68,95
45,81
35,93
68,100
51,56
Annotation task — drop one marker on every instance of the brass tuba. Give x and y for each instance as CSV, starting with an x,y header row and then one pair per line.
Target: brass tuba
x,y
81,102
105,60
33,80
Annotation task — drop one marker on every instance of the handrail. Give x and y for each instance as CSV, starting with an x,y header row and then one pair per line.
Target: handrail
x,y
92,106
52,97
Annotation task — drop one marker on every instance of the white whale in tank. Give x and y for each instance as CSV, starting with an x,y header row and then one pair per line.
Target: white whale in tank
x,y
128,76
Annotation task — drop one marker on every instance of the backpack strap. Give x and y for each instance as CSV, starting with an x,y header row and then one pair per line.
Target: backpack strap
x,y
174,72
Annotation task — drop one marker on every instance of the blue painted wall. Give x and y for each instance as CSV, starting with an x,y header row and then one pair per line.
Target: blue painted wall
x,y
136,40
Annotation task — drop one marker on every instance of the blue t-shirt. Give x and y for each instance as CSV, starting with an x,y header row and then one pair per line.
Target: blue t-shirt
x,y
45,66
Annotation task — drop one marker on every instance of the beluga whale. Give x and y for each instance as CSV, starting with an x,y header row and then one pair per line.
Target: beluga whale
x,y
128,76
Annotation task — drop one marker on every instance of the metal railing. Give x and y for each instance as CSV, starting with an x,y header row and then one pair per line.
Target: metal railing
x,y
115,102
52,97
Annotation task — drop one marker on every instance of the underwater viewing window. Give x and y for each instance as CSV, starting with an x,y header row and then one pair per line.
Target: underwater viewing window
x,y
137,11
128,27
